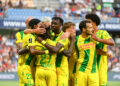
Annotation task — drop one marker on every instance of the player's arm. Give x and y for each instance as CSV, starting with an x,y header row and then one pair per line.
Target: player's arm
x,y
68,52
36,31
23,51
33,51
19,45
101,52
104,41
18,41
53,49
31,46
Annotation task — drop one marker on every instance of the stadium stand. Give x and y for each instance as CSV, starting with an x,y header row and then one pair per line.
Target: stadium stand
x,y
48,3
67,10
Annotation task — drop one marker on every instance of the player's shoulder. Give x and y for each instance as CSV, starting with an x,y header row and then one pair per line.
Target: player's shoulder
x,y
31,35
51,42
28,36
78,36
64,41
22,31
18,33
102,31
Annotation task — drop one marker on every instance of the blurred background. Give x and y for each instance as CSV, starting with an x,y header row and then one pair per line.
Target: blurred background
x,y
13,14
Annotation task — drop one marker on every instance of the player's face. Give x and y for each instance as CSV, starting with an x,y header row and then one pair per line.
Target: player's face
x,y
93,23
47,24
39,25
55,25
71,30
89,29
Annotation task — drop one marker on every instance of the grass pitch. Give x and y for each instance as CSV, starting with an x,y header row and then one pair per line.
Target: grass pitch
x,y
15,83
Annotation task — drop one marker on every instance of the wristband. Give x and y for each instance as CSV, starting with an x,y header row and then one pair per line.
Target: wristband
x,y
61,50
43,42
46,51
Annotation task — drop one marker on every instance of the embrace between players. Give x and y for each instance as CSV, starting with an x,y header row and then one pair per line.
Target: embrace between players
x,y
50,53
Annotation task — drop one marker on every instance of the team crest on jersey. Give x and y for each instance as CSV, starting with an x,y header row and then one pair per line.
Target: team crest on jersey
x,y
30,40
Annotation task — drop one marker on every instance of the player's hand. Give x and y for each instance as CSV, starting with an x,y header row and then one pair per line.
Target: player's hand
x,y
65,35
72,37
40,31
39,39
28,31
109,55
93,36
46,24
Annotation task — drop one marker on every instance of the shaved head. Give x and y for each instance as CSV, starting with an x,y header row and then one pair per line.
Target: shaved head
x,y
27,21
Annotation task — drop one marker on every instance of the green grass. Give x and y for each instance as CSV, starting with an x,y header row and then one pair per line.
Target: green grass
x,y
9,83
114,83
15,83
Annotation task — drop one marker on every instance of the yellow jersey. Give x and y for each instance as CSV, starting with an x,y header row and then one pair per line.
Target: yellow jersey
x,y
62,60
27,41
56,37
102,60
19,36
19,39
86,55
45,60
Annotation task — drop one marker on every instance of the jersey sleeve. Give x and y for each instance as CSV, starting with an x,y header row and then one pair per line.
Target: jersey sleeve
x,y
18,37
65,43
62,42
106,35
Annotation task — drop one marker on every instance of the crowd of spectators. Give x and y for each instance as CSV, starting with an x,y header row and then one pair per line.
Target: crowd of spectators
x,y
9,4
17,4
8,54
72,8
114,64
1,9
79,8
